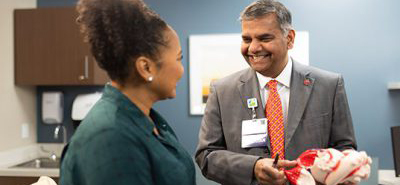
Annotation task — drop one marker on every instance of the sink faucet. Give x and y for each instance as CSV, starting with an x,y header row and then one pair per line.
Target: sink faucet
x,y
53,155
57,130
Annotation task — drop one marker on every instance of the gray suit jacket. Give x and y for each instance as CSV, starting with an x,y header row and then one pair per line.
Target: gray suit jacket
x,y
318,117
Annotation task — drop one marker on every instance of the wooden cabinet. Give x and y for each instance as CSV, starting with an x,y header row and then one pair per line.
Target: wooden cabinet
x,y
49,49
9,180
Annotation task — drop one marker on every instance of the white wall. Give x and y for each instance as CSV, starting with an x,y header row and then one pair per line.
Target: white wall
x,y
17,104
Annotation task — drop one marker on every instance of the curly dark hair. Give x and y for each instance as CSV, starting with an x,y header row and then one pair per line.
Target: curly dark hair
x,y
119,31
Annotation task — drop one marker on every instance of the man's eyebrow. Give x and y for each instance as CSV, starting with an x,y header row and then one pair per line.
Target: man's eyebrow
x,y
265,35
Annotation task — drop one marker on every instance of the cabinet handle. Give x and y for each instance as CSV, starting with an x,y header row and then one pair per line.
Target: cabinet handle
x,y
86,70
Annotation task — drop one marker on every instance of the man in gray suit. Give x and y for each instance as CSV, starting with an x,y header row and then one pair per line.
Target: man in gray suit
x,y
314,106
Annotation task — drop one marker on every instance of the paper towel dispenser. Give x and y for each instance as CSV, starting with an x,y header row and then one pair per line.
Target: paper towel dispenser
x,y
82,105
52,107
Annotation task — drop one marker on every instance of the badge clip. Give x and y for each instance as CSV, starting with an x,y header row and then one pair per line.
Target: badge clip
x,y
252,104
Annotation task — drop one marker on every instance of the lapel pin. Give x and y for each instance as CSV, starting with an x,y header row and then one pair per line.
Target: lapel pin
x,y
307,82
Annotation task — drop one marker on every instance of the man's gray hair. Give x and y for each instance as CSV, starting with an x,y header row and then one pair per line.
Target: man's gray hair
x,y
261,8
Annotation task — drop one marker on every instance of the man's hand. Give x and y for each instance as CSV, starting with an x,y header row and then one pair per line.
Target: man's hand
x,y
267,175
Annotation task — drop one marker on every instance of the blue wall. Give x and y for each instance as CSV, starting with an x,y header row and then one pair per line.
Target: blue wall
x,y
357,38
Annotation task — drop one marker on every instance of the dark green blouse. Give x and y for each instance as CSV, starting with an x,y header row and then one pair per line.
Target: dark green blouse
x,y
115,144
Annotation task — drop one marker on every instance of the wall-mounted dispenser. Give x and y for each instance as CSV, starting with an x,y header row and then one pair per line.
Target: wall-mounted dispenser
x,y
52,107
82,105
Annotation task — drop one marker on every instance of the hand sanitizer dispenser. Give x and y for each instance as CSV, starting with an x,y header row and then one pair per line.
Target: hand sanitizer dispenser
x,y
52,107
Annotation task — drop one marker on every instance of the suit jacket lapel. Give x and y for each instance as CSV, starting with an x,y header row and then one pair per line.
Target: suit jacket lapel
x,y
300,90
248,88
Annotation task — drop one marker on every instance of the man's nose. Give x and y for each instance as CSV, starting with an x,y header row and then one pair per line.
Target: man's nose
x,y
254,47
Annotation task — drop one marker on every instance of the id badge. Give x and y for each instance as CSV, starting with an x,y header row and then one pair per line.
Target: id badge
x,y
254,133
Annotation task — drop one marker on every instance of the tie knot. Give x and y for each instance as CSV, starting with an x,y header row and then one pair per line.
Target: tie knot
x,y
272,84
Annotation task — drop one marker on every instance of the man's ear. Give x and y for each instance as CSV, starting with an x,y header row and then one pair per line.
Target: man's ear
x,y
290,39
145,67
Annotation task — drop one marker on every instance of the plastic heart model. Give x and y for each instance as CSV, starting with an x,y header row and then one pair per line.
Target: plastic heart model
x,y
330,167
300,176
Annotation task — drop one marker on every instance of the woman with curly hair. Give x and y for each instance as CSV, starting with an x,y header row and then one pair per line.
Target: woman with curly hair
x,y
123,140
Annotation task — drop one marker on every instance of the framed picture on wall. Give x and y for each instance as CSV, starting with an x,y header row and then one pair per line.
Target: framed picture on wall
x,y
213,56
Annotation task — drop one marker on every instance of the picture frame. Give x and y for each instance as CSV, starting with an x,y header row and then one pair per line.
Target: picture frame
x,y
214,56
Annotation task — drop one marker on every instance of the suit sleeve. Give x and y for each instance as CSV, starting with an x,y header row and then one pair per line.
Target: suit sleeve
x,y
342,131
215,161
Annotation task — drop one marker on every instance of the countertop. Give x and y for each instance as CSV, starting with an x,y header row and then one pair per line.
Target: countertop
x,y
16,156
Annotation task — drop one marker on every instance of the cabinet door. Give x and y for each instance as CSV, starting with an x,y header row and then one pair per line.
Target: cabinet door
x,y
9,180
49,49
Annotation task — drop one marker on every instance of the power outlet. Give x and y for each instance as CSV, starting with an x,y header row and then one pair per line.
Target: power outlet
x,y
24,130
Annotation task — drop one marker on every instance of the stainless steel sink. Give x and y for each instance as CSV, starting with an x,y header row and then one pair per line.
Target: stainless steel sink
x,y
39,163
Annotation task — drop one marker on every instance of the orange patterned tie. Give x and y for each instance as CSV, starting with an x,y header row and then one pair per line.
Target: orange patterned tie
x,y
274,113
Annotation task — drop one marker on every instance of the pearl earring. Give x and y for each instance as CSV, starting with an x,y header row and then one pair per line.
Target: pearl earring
x,y
150,79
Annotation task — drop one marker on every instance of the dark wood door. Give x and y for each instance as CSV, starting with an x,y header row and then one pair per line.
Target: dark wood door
x,y
49,49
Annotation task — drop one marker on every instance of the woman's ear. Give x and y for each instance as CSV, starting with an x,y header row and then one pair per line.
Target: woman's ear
x,y
146,68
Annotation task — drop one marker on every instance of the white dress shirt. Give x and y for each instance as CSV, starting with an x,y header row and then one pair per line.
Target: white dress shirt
x,y
283,87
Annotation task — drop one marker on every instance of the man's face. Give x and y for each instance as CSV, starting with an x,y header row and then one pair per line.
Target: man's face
x,y
264,46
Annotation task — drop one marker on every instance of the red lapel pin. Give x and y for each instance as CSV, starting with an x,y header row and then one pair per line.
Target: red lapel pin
x,y
307,82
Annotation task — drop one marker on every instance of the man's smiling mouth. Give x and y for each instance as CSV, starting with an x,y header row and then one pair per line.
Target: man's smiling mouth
x,y
257,58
